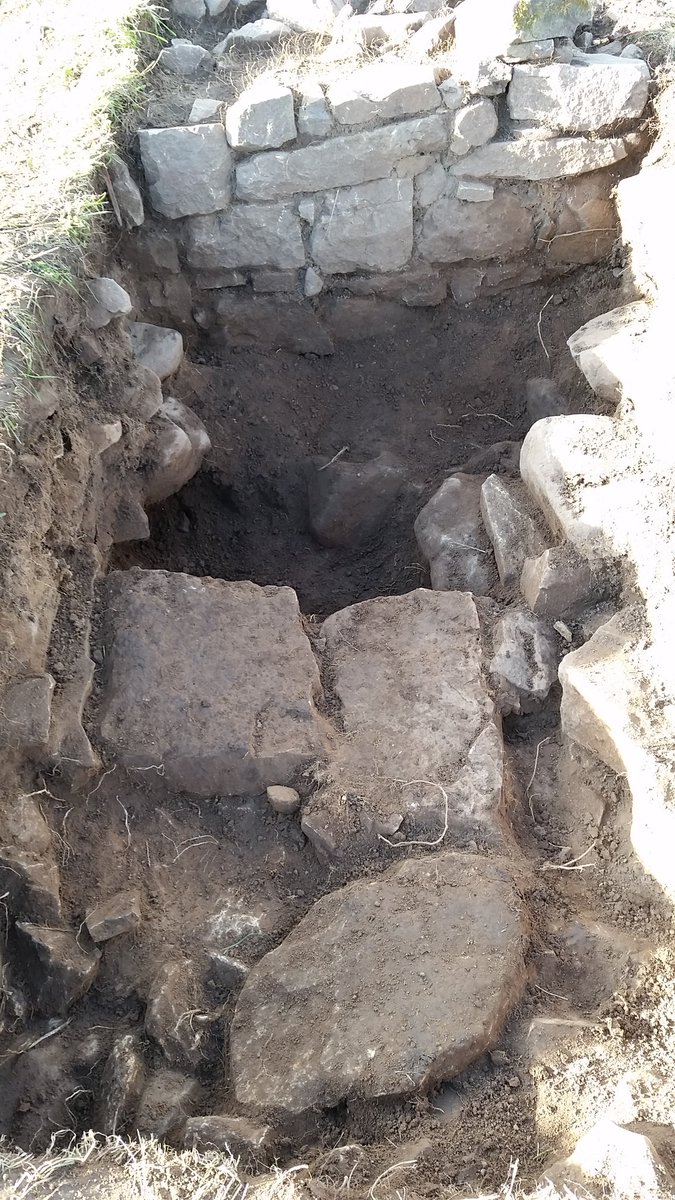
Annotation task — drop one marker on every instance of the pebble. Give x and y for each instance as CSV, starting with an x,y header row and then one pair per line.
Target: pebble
x,y
283,799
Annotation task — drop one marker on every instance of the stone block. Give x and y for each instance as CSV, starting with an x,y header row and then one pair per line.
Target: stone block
x,y
345,1010
120,1086
383,91
370,227
275,282
551,158
607,349
204,110
474,191
340,162
514,533
580,97
283,800
159,350
609,1159
127,192
524,664
430,185
106,300
254,34
26,713
451,231
166,1103
171,998
215,680
188,169
262,117
57,969
238,1136
314,118
348,502
559,583
185,59
433,35
120,914
474,125
453,94
254,235
305,16
372,30
451,537
483,77
540,51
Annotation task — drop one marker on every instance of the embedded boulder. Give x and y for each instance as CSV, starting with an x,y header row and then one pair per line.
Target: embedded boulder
x,y
386,987
451,536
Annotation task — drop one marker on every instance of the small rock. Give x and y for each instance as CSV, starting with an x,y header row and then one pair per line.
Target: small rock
x,y
632,51
559,583
26,713
514,1081
192,9
475,191
185,59
612,1161
262,117
499,1057
239,1136
525,661
544,399
170,1014
474,125
101,435
106,301
165,1105
56,967
539,51
127,193
227,971
120,914
452,539
283,799
256,33
453,93
307,210
204,111
514,534
349,501
313,282
121,1085
160,350
314,117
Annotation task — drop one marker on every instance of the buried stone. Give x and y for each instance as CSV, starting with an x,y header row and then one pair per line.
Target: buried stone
x,y
349,501
380,991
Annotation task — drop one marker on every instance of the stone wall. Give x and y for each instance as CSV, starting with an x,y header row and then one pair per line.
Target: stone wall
x,y
277,219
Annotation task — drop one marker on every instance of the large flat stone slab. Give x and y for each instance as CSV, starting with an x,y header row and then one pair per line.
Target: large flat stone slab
x,y
386,987
368,226
452,230
255,235
594,93
214,680
551,158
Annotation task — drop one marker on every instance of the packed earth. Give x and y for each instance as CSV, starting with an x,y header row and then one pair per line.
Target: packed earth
x,y
337,566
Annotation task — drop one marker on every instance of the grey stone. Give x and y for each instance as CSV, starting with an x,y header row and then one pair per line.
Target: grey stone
x,y
262,117
544,399
632,51
195,9
106,300
373,30
216,8
370,226
525,660
452,539
254,235
484,77
165,1105
30,883
314,118
451,230
548,159
474,191
237,1136
306,16
26,713
120,914
539,51
58,971
432,36
313,285
430,185
159,350
383,91
204,110
121,1086
348,502
501,457
610,1160
185,59
215,280
169,1012
288,323
340,162
228,972
188,169
346,1011
264,32
580,97
127,192
418,285
283,799
474,124
176,453
559,583
453,94
241,667
514,534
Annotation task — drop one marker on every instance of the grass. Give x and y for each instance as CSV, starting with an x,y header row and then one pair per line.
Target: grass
x,y
71,75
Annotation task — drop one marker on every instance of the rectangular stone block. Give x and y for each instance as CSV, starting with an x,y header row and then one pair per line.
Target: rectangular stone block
x,y
370,226
216,681
451,230
547,159
384,91
252,235
583,97
188,169
341,162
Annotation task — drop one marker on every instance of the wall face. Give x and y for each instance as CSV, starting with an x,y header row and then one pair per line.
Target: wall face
x,y
399,181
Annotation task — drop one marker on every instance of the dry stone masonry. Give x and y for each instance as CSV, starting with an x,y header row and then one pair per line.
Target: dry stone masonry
x,y
489,162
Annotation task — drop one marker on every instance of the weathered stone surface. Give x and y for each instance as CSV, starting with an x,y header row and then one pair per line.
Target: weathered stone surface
x,y
203,111
170,1007
510,527
372,30
165,1105
559,583
434,34
586,222
314,118
548,159
239,1136
273,282
451,230
474,191
188,169
185,59
452,539
407,671
283,799
26,713
127,192
264,32
615,1160
159,350
172,460
524,665
601,704
261,117
105,300
286,322
383,91
453,94
30,883
483,76
57,969
605,347
349,501
120,914
121,1085
484,28
254,235
305,16
313,283
340,162
153,248
227,971
583,97
370,226
345,1009
474,125
215,680
538,51
195,9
